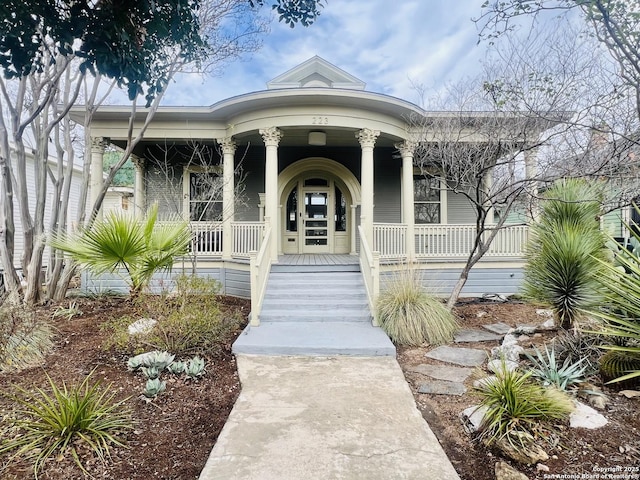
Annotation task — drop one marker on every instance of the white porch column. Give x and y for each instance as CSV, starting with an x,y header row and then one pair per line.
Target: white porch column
x,y
271,137
531,172
98,144
139,197
487,185
367,139
228,189
408,216
354,230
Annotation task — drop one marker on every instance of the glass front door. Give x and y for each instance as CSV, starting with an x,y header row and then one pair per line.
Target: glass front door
x,y
316,229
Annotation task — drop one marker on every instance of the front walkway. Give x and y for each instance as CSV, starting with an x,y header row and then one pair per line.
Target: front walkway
x,y
312,418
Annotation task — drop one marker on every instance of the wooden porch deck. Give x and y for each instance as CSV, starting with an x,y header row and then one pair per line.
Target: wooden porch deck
x,y
318,259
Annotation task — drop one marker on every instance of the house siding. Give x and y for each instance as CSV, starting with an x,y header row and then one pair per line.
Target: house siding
x,y
440,282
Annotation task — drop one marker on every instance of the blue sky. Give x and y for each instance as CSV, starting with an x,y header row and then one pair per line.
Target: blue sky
x,y
387,44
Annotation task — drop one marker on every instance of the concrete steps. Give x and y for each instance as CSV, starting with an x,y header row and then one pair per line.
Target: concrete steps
x,y
315,310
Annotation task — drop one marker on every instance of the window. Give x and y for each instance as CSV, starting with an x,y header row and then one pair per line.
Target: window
x,y
205,196
427,199
292,211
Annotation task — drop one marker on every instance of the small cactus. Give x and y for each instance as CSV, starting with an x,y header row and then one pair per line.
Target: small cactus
x,y
154,387
194,368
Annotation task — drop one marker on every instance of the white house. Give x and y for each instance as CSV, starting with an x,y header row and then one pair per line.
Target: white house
x,y
327,176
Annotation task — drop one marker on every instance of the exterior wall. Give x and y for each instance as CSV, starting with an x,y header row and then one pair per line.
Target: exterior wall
x,y
459,210
482,280
234,280
612,224
388,191
164,186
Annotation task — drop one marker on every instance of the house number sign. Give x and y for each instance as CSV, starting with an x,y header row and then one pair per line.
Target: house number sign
x,y
319,120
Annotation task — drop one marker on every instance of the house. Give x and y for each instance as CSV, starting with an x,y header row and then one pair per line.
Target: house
x,y
312,169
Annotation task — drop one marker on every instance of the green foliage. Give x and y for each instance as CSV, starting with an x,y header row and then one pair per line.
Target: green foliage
x,y
563,256
67,419
410,316
140,248
125,176
291,12
194,368
24,337
576,345
620,312
69,312
620,366
550,372
154,387
190,321
176,367
516,404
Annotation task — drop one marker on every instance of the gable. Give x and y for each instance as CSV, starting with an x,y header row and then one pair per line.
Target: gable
x,y
316,72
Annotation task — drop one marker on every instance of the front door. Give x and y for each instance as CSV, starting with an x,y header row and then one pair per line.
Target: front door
x,y
316,228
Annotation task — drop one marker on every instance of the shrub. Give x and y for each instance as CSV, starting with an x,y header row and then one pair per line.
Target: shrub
x,y
515,404
620,314
411,316
24,338
548,369
65,419
563,256
190,321
576,345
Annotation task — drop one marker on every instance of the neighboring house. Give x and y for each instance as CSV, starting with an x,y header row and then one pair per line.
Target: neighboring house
x,y
74,202
327,169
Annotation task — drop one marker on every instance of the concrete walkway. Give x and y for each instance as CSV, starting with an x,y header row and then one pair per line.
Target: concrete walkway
x,y
325,418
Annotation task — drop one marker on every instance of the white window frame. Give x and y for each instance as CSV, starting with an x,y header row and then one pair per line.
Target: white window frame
x,y
186,187
417,172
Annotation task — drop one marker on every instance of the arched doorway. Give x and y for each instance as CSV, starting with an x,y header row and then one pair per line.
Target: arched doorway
x,y
318,199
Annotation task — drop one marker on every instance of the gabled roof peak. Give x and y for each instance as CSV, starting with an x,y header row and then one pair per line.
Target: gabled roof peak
x,y
316,72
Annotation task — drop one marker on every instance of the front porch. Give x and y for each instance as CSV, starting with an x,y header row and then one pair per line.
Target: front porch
x,y
432,242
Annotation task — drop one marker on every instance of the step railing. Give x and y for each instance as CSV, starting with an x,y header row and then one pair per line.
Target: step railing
x,y
260,267
370,267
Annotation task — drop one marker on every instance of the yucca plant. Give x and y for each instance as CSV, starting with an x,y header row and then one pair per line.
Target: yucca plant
x,y
548,370
410,315
564,252
515,404
64,419
141,248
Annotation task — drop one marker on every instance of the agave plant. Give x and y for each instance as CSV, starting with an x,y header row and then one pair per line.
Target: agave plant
x,y
154,387
194,368
151,372
118,242
550,372
156,358
176,367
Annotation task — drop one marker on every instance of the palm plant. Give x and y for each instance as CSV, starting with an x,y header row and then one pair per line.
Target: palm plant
x,y
563,255
141,248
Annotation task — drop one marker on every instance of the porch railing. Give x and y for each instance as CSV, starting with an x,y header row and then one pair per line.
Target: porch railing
x,y
446,241
370,267
247,237
390,239
207,238
260,267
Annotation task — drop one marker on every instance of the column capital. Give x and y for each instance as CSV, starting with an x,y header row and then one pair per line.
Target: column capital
x,y
406,148
98,144
228,145
367,137
271,136
137,161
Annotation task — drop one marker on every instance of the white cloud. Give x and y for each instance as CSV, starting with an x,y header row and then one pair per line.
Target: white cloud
x,y
386,44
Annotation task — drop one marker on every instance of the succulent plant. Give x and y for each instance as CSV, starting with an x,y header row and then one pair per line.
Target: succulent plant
x,y
154,387
151,372
176,367
155,358
194,368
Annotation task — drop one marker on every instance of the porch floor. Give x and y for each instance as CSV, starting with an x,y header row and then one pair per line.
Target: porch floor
x,y
318,259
